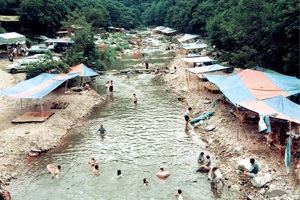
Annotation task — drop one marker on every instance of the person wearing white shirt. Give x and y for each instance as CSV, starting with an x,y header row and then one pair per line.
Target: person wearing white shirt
x,y
179,194
215,175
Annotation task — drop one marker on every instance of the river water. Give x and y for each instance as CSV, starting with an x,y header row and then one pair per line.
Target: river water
x,y
140,139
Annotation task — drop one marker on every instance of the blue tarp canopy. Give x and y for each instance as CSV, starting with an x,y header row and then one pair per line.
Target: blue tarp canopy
x,y
60,40
168,30
249,85
187,37
194,45
209,68
191,55
37,87
282,107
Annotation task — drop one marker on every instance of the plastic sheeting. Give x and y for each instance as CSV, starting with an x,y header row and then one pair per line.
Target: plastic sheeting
x,y
37,87
83,70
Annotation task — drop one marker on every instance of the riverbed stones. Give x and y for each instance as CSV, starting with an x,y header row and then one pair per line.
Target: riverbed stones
x,y
261,179
275,193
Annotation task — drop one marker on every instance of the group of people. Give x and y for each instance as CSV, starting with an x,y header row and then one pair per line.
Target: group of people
x,y
215,175
109,87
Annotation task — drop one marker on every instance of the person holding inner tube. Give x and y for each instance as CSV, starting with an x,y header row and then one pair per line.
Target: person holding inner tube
x,y
162,174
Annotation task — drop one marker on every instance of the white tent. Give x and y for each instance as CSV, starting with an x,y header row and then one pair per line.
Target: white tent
x,y
12,38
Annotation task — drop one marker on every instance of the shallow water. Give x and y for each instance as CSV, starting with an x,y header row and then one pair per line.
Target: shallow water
x,y
140,139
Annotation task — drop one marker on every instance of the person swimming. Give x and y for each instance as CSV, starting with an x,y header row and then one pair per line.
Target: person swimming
x,y
145,181
93,162
162,174
119,173
96,170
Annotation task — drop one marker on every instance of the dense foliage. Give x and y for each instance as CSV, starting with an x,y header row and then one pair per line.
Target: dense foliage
x,y
247,32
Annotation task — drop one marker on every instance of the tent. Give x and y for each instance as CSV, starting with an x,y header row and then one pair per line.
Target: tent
x,y
168,30
187,37
251,85
191,55
60,40
12,38
189,46
197,59
83,70
209,68
282,107
37,87
159,28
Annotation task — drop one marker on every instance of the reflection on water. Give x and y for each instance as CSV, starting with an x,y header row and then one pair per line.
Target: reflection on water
x,y
140,139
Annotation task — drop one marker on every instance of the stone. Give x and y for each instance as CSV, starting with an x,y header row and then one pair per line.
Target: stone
x,y
275,193
261,179
210,128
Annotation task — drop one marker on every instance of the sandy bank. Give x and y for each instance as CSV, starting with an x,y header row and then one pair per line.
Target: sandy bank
x,y
17,139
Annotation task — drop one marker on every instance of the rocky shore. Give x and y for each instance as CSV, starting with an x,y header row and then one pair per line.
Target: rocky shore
x,y
232,141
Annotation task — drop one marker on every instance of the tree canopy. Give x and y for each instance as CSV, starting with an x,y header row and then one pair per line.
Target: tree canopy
x,y
246,32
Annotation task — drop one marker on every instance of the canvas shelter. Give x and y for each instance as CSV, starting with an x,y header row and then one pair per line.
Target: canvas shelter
x,y
204,69
158,28
12,38
82,70
201,59
190,46
250,85
187,37
60,40
191,55
168,30
279,106
37,87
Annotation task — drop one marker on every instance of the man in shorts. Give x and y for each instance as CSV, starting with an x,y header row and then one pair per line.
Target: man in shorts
x,y
252,172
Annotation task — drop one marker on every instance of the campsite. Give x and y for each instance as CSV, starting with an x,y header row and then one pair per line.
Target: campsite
x,y
208,95
231,139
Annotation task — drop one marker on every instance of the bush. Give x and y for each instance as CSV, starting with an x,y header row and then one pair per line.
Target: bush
x,y
50,66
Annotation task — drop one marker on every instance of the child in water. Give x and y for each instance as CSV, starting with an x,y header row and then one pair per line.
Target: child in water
x,y
96,170
119,173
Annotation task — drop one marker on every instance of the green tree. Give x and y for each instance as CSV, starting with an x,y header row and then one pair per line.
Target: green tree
x,y
41,16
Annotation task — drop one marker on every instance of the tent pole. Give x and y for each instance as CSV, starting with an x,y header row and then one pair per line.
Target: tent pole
x,y
187,80
66,85
42,112
21,102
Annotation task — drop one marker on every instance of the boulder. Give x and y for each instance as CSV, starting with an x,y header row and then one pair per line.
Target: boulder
x,y
244,164
275,193
261,179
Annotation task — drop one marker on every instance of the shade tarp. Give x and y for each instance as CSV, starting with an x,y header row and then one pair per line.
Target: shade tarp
x,y
250,85
159,28
12,38
82,70
282,107
198,59
37,87
191,55
167,30
189,46
60,40
187,37
209,68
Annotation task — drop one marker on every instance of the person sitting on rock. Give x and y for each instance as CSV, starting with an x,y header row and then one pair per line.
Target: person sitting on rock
x,y
253,170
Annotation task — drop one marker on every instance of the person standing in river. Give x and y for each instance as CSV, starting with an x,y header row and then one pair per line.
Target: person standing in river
x,y
146,64
111,86
135,99
187,116
101,130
